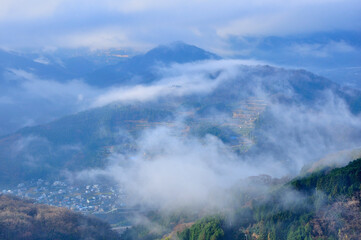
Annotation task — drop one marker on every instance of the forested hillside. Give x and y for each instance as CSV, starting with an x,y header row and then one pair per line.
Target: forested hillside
x,y
321,205
24,220
231,112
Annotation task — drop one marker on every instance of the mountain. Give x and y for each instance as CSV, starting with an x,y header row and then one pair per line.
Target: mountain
x,y
85,140
78,141
78,66
22,219
177,52
23,74
75,77
142,69
317,52
262,114
36,65
62,65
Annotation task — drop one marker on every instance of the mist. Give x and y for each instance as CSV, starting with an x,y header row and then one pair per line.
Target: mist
x,y
175,167
178,80
28,100
182,119
172,169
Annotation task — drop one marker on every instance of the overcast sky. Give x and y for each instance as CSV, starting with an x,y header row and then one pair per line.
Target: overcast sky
x,y
142,24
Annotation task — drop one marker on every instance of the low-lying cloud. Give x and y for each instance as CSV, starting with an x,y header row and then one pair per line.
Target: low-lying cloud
x,y
28,100
176,81
298,134
41,100
171,169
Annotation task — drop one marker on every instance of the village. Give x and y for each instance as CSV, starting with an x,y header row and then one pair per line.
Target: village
x,y
103,198
87,199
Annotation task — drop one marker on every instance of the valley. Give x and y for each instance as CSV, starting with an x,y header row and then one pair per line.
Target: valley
x,y
178,143
86,199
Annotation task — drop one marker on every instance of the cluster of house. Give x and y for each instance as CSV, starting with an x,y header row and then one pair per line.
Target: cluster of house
x,y
94,198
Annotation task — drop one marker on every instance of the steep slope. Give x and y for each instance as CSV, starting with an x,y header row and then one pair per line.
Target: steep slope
x,y
22,219
323,205
75,142
12,60
84,140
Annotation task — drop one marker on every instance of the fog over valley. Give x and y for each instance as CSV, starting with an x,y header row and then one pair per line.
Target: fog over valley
x,y
148,120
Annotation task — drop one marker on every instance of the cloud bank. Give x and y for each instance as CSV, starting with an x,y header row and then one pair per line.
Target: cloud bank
x,y
172,169
28,100
143,24
177,81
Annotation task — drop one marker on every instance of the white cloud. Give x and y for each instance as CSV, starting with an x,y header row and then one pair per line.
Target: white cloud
x,y
322,50
15,10
42,60
129,6
104,24
294,17
50,89
170,171
178,80
95,38
26,99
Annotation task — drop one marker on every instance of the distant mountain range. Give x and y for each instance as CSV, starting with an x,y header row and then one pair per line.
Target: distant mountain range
x,y
261,113
142,69
119,72
74,76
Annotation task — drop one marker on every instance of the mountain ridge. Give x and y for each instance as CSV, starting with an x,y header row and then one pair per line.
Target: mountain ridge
x,y
141,69
48,144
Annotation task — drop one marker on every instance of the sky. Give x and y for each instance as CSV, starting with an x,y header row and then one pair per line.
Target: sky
x,y
218,26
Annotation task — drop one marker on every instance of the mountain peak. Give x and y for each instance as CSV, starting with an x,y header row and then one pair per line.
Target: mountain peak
x,y
179,52
143,65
